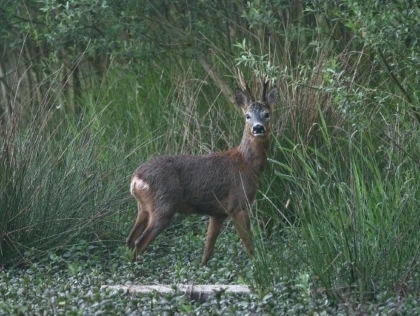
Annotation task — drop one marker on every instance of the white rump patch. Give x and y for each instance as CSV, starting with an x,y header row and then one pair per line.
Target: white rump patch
x,y
138,184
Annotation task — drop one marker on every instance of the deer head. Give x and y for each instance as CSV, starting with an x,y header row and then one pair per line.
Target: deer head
x,y
257,113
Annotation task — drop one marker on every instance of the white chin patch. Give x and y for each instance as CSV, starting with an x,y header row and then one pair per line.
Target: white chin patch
x,y
138,184
258,134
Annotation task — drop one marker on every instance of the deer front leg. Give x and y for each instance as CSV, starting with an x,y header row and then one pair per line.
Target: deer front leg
x,y
213,231
242,224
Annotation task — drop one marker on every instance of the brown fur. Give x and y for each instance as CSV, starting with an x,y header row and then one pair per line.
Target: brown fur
x,y
220,185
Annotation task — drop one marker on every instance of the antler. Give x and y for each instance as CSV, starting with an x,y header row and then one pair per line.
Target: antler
x,y
244,86
264,91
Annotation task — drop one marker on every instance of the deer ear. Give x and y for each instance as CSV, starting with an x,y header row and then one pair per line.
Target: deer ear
x,y
241,98
273,96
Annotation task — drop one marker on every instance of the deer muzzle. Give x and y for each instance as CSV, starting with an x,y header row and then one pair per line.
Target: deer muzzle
x,y
258,130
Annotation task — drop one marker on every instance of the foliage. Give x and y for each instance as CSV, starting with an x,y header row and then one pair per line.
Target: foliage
x,y
389,33
261,65
69,282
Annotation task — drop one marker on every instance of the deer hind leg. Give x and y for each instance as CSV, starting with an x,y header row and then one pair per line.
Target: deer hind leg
x,y
242,224
139,226
213,232
157,223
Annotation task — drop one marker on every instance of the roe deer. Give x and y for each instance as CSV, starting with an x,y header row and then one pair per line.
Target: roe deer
x,y
220,184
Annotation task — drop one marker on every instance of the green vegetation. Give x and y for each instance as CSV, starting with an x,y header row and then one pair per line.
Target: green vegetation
x,y
69,282
91,89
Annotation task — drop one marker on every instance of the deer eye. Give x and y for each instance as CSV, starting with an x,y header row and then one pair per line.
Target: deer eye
x,y
247,116
267,115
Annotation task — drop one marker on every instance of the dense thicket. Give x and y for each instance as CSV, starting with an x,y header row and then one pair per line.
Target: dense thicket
x,y
374,43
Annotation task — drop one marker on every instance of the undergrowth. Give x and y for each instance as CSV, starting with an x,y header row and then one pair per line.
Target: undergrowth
x,y
70,282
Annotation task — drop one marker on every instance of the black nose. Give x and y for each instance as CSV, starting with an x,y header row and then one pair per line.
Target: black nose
x,y
258,129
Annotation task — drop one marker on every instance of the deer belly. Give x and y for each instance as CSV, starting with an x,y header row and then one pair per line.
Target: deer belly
x,y
211,206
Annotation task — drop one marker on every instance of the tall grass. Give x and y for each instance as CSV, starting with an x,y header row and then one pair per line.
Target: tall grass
x,y
58,184
355,202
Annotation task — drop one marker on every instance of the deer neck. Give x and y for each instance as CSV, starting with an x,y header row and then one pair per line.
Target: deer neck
x,y
254,151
